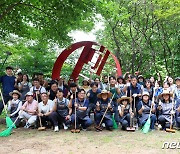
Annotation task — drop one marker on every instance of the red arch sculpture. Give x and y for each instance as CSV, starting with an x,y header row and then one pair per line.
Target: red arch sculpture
x,y
85,57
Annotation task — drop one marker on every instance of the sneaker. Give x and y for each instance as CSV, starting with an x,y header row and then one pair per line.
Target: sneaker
x,y
56,129
159,127
109,128
103,125
27,125
65,127
84,129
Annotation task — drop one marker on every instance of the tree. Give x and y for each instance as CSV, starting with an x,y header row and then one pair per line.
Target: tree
x,y
139,37
51,19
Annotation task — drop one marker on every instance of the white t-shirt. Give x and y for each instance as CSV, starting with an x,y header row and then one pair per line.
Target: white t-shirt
x,y
46,108
42,89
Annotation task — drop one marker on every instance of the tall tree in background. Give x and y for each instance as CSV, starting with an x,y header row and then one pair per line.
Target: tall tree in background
x,y
54,19
143,35
31,28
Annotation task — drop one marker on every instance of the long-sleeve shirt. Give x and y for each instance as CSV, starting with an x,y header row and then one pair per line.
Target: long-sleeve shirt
x,y
14,106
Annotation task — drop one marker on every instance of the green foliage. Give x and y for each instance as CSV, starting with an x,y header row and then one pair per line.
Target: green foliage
x,y
51,19
144,35
31,59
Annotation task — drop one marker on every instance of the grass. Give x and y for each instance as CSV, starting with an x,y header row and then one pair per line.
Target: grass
x,y
91,141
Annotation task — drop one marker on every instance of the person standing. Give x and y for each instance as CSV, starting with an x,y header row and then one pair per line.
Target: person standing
x,y
24,86
177,88
53,90
8,83
92,95
134,89
73,90
105,81
148,87
37,89
85,85
116,92
120,85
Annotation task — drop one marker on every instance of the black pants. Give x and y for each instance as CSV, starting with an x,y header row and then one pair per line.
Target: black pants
x,y
57,118
125,122
6,99
165,124
44,121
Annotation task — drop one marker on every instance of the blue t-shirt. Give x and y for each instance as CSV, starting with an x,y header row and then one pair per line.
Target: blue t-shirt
x,y
7,84
93,96
134,90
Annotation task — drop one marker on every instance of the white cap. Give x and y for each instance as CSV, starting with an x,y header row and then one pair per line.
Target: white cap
x,y
29,94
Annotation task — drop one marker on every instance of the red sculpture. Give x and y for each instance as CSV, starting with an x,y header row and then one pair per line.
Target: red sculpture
x,y
85,57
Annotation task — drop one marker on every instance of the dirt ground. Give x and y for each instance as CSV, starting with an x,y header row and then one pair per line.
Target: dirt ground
x,y
32,141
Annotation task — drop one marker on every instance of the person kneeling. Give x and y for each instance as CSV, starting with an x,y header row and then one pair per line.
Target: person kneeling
x,y
80,104
29,110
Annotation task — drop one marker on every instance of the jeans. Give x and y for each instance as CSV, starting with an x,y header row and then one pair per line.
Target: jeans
x,y
153,120
85,122
125,122
57,118
108,122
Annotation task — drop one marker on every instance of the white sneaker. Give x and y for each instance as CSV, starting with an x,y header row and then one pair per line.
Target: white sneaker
x,y
159,127
65,127
27,125
56,129
103,125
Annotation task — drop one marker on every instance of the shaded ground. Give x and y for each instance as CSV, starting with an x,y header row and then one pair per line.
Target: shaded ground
x,y
32,141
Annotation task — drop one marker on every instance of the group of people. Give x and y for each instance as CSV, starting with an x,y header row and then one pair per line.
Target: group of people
x,y
127,101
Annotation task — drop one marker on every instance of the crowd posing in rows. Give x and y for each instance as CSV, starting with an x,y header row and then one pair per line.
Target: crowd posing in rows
x,y
126,100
